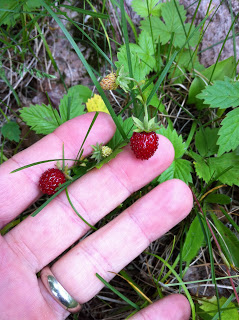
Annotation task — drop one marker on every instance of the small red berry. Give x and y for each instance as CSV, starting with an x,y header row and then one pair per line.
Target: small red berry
x,y
144,144
50,180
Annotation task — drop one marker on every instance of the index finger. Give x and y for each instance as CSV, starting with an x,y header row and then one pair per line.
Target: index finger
x,y
19,190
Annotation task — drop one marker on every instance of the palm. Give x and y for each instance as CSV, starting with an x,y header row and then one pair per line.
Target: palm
x,y
37,241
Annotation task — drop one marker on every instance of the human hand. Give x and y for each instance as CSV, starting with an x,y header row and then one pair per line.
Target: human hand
x,y
37,241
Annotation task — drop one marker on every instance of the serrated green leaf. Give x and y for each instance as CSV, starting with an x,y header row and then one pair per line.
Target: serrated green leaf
x,y
179,169
141,57
41,118
172,24
143,9
218,198
71,104
229,132
193,242
209,306
222,94
177,141
205,141
202,169
11,131
223,68
128,127
217,165
228,241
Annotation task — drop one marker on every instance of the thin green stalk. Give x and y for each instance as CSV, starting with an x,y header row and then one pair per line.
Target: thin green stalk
x,y
224,42
126,39
106,34
70,202
135,306
180,280
87,66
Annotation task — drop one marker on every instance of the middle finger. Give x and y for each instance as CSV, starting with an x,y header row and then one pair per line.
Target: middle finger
x,y
41,239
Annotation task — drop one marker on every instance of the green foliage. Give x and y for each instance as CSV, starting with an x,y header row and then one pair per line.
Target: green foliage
x,y
218,72
143,9
193,242
229,132
10,10
174,23
209,306
176,140
224,168
11,131
45,119
228,241
218,198
185,61
180,168
222,94
205,141
128,127
141,57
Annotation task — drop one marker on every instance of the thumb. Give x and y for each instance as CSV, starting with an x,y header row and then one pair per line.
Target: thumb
x,y
174,307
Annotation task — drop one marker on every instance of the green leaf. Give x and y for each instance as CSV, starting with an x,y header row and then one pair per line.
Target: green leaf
x,y
11,131
193,242
220,164
41,118
202,169
225,167
10,18
179,169
128,127
209,306
229,132
223,68
141,57
177,141
205,141
172,24
71,104
222,94
227,240
155,102
143,10
218,198
186,60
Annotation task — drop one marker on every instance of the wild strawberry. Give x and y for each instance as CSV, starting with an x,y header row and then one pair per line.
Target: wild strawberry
x,y
144,144
109,82
106,151
100,151
50,180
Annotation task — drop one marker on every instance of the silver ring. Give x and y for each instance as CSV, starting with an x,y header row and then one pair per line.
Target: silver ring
x,y
58,292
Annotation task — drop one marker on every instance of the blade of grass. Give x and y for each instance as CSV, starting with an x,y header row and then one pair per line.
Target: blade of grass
x,y
180,280
87,66
70,202
93,14
135,306
223,45
126,39
39,162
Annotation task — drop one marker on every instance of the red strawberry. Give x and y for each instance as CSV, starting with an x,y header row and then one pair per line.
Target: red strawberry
x,y
144,144
50,180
